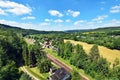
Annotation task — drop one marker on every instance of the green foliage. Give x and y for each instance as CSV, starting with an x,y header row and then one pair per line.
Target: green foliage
x,y
10,55
65,50
117,44
94,65
32,58
116,62
79,58
94,53
75,75
9,71
44,65
24,76
25,53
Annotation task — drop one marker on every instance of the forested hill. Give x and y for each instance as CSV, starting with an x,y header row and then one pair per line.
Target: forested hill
x,y
25,31
105,29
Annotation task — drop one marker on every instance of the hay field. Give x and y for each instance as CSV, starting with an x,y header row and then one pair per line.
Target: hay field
x,y
109,54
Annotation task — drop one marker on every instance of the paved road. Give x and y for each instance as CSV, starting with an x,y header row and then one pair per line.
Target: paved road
x,y
32,76
61,64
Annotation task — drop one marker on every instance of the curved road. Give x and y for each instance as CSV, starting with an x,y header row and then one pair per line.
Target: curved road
x,y
61,64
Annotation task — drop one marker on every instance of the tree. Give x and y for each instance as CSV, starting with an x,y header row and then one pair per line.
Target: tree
x,y
61,50
3,57
102,67
117,44
94,53
24,76
44,65
32,58
25,53
79,58
67,50
9,71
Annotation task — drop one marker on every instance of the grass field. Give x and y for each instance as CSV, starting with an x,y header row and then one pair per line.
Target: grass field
x,y
109,54
34,71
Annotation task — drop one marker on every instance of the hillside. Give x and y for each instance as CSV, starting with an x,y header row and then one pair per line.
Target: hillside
x,y
25,31
104,29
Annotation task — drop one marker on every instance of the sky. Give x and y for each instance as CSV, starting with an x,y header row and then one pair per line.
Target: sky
x,y
59,15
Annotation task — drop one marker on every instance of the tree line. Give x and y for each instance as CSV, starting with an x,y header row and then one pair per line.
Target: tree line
x,y
92,63
15,52
108,39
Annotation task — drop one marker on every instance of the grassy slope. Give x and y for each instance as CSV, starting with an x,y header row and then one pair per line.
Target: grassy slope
x,y
109,54
52,52
34,71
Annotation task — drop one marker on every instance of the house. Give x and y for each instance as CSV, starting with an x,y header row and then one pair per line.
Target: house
x,y
59,74
47,44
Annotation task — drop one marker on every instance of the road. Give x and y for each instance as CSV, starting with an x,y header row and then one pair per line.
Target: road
x,y
61,64
32,76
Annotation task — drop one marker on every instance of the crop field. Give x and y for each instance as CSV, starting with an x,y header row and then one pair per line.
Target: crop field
x,y
109,54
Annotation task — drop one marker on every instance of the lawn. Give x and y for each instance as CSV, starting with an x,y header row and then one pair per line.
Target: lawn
x,y
109,54
34,71
54,53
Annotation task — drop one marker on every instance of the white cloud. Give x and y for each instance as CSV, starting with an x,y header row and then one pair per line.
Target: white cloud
x,y
2,12
113,22
48,20
58,21
68,20
73,13
15,8
99,18
55,13
44,24
83,24
28,17
17,24
79,22
115,9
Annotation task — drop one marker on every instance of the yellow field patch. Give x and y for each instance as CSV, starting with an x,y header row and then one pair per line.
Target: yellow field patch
x,y
29,41
109,54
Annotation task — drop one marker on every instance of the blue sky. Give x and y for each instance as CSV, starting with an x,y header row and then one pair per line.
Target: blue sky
x,y
59,15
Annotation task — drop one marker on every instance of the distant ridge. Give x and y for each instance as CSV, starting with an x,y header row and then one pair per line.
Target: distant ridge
x,y
25,31
97,29
82,30
32,31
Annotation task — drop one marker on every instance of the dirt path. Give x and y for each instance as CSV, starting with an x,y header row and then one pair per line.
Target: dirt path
x,y
25,71
61,64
